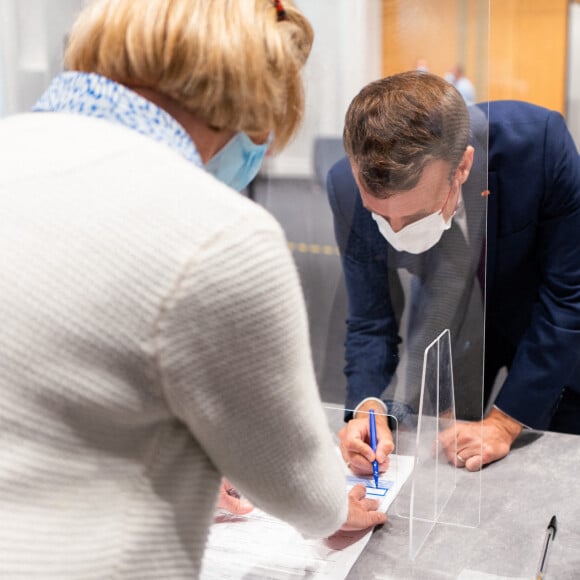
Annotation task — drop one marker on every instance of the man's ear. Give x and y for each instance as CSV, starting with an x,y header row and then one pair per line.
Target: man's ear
x,y
465,165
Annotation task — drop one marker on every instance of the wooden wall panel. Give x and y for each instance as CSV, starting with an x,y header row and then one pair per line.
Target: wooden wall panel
x,y
419,29
528,51
444,32
510,49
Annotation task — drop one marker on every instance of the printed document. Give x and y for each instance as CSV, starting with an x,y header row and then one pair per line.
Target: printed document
x,y
259,546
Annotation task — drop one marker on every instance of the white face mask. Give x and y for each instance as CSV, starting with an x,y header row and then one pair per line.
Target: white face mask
x,y
417,237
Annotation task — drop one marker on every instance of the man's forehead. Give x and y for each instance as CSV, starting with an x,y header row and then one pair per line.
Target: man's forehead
x,y
434,175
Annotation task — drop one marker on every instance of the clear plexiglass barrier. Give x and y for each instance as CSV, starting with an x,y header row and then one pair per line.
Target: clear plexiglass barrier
x,y
422,481
405,327
439,491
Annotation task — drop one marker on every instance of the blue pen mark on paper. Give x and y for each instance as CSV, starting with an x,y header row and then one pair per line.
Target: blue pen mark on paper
x,y
376,491
381,491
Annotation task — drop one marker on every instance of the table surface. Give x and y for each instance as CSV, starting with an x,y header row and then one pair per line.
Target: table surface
x,y
539,478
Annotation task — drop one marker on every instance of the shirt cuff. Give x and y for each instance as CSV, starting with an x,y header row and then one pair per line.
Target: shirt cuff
x,y
379,401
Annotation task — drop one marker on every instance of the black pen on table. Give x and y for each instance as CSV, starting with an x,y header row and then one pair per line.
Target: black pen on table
x,y
548,537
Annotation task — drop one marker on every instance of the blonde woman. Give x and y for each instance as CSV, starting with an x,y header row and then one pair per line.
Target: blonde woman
x,y
154,335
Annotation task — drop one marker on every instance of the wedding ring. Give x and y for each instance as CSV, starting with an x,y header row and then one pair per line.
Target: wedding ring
x,y
459,458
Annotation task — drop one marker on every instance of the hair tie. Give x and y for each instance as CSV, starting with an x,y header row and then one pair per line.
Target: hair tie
x,y
280,12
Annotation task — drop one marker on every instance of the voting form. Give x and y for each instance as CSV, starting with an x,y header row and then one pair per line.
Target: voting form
x,y
259,546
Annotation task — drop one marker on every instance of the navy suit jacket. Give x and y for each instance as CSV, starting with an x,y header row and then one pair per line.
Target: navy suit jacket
x,y
532,270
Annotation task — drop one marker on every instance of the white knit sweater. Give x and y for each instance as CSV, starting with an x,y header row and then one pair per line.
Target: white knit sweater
x,y
152,337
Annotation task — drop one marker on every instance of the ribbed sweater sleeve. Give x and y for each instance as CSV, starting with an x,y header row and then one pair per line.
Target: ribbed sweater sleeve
x,y
233,350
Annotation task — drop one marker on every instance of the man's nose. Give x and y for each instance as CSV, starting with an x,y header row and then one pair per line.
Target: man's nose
x,y
397,224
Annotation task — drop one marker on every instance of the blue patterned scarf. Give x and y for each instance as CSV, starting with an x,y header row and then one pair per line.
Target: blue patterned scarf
x,y
97,96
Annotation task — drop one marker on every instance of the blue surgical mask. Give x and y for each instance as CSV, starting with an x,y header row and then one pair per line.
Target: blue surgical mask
x,y
239,161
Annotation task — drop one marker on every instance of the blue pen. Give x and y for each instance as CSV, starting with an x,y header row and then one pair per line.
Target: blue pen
x,y
373,427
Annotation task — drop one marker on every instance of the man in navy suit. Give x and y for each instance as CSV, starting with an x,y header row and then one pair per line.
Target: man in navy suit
x,y
420,250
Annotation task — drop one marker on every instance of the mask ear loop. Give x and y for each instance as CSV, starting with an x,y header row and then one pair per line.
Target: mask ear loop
x,y
448,196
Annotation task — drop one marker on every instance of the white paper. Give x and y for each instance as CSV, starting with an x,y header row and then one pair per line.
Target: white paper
x,y
260,546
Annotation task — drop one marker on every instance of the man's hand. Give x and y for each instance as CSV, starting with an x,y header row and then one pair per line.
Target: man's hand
x,y
362,512
480,442
231,501
355,439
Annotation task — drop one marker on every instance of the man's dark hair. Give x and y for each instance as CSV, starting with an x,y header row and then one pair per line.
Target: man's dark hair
x,y
396,125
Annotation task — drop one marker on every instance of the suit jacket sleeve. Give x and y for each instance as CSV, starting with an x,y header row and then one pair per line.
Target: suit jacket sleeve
x,y
372,335
546,357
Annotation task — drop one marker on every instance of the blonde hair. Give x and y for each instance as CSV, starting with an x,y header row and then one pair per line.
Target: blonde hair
x,y
230,62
